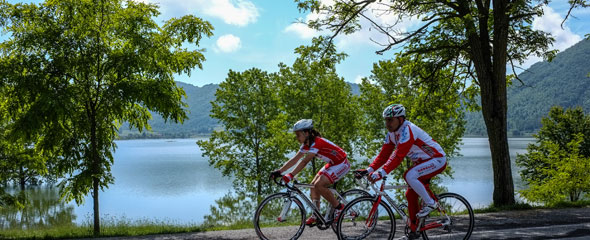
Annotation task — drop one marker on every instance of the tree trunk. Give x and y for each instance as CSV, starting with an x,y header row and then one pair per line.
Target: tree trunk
x,y
258,181
489,59
22,178
96,213
496,123
95,164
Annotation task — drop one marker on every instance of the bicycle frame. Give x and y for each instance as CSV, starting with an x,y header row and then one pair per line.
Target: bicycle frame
x,y
398,208
294,191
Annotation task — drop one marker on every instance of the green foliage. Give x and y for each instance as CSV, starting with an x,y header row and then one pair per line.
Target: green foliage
x,y
437,107
251,144
78,69
311,89
556,168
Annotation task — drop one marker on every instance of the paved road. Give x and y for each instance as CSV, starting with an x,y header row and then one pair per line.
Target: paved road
x,y
571,223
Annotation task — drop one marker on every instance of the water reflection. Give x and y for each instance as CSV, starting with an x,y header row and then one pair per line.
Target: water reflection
x,y
43,210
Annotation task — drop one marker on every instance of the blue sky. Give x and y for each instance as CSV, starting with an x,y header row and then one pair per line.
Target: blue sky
x,y
263,33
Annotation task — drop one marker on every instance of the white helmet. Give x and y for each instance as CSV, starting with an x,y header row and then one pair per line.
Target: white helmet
x,y
394,110
303,124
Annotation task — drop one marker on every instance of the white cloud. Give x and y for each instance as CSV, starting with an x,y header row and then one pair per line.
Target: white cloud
x,y
358,79
238,12
550,22
302,30
228,43
233,12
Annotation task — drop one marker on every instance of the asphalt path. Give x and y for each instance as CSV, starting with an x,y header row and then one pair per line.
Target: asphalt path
x,y
570,223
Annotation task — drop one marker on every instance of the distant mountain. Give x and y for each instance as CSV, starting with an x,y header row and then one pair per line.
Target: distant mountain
x,y
562,82
199,123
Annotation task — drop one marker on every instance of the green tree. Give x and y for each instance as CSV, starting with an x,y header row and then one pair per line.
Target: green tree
x,y
311,89
478,38
436,109
561,173
557,165
79,68
252,143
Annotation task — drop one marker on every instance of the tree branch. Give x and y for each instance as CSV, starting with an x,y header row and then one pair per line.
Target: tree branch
x,y
410,35
346,21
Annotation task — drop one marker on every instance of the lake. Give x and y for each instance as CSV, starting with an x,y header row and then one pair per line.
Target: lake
x,y
169,180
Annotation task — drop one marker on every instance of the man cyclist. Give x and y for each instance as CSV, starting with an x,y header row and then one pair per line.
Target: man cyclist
x,y
426,154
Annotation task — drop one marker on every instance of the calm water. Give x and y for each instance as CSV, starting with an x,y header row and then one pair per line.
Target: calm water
x,y
473,177
170,180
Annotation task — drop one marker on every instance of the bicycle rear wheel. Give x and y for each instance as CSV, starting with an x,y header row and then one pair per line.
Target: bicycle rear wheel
x,y
455,221
363,218
279,216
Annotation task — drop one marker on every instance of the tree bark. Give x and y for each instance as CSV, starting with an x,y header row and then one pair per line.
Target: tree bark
x,y
22,178
96,213
489,58
95,164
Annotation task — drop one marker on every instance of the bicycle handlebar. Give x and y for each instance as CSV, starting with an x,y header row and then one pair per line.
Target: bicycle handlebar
x,y
358,174
280,182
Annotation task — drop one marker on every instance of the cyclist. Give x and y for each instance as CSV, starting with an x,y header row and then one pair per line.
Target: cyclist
x,y
313,145
426,154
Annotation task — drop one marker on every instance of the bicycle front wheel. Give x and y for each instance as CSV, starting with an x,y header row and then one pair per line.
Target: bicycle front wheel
x,y
347,197
279,216
454,219
365,218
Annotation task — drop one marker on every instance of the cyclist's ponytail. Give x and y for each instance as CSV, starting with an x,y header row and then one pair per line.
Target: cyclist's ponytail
x,y
312,135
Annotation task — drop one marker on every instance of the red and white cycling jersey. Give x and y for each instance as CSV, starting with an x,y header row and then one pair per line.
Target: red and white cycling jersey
x,y
325,150
409,140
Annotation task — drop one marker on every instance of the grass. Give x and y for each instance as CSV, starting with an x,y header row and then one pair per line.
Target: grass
x,y
113,227
109,228
526,206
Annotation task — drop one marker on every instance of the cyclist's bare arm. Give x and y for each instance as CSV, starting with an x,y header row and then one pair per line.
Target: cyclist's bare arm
x,y
303,162
292,161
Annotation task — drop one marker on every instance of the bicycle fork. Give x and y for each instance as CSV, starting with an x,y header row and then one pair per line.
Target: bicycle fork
x,y
286,205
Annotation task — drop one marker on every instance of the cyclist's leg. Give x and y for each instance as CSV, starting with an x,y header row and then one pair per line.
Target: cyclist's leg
x,y
421,172
314,194
330,175
413,207
321,187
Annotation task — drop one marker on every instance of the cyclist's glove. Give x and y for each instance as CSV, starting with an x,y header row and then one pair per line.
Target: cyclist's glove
x,y
274,174
378,174
287,178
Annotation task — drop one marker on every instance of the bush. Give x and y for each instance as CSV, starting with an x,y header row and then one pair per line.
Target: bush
x,y
556,168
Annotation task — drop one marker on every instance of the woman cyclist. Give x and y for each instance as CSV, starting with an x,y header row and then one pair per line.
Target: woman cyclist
x,y
313,145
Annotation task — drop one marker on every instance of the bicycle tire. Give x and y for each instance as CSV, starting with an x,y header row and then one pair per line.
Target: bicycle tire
x,y
461,224
267,212
353,214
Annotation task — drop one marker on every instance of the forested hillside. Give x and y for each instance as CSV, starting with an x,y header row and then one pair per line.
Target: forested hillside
x,y
563,82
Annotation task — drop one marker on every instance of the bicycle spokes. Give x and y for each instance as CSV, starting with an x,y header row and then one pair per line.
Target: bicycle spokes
x,y
285,210
453,220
